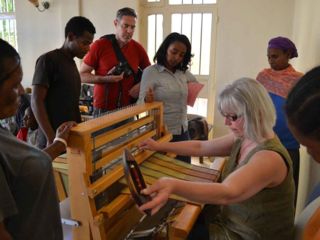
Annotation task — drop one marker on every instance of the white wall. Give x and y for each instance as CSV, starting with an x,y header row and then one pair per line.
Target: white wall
x,y
39,32
102,13
306,32
244,29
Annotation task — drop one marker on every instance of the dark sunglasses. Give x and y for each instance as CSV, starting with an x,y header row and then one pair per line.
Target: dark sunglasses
x,y
232,118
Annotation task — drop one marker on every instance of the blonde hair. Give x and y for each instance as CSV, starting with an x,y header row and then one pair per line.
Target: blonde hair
x,y
248,98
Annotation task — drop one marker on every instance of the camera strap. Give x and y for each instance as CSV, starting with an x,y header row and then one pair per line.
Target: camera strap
x,y
116,48
121,59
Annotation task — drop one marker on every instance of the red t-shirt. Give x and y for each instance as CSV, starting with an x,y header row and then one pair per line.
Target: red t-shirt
x,y
102,58
22,134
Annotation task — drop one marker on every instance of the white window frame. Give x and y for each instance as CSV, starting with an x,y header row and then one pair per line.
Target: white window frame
x,y
10,16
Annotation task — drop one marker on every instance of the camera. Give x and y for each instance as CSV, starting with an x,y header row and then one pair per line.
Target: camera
x,y
122,67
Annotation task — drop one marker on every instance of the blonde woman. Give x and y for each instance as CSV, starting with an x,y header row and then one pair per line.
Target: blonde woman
x,y
256,194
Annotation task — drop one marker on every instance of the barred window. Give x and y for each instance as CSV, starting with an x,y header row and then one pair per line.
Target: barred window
x,y
8,29
177,2
192,25
197,19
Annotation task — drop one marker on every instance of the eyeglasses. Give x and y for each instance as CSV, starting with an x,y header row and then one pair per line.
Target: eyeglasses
x,y
232,118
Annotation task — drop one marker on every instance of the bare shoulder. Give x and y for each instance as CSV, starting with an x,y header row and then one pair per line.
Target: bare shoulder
x,y
268,156
271,164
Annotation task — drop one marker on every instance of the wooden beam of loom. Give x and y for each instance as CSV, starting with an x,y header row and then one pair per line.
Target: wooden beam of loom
x,y
97,190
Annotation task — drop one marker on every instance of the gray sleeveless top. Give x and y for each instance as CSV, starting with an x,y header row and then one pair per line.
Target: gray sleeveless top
x,y
267,215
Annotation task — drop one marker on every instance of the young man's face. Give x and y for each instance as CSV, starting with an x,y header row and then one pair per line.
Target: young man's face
x,y
125,28
11,89
81,45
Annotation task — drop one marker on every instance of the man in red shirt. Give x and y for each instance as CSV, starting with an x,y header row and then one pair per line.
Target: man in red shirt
x,y
113,88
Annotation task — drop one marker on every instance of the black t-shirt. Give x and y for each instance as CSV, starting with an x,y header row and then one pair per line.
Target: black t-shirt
x,y
58,72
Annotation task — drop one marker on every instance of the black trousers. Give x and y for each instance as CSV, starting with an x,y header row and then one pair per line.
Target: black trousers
x,y
295,157
184,136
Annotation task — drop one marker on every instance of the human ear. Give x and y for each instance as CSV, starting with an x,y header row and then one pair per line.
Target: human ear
x,y
115,22
71,36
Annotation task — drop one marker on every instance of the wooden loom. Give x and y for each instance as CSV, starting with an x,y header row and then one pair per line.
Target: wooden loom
x,y
99,199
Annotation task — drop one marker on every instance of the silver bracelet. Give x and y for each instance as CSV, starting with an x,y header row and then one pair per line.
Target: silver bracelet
x,y
58,139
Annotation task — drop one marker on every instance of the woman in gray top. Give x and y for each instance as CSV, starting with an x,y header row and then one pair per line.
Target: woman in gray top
x,y
166,81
